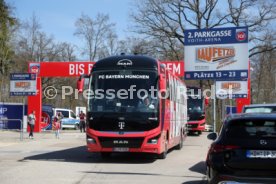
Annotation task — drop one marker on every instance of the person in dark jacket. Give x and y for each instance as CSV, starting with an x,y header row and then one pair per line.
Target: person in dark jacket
x,y
82,121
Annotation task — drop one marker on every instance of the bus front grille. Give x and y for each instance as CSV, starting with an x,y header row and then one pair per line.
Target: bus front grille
x,y
110,142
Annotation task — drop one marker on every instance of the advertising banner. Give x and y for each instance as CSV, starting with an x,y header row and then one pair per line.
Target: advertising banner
x,y
61,69
231,89
74,69
11,111
176,67
220,53
22,84
46,117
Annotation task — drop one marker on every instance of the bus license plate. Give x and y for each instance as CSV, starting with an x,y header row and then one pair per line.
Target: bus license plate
x,y
121,149
261,154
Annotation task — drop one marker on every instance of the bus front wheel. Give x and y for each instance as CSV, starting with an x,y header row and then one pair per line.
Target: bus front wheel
x,y
180,145
165,152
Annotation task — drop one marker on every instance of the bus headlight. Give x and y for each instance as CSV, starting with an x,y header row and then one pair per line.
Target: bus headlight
x,y
154,140
90,140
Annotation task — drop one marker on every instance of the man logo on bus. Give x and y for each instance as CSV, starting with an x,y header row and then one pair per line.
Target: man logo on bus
x,y
124,62
241,34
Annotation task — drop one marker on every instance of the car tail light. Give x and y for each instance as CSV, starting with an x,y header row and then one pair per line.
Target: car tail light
x,y
231,147
216,148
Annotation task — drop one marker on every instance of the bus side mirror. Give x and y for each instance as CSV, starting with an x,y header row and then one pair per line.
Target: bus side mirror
x,y
80,83
162,81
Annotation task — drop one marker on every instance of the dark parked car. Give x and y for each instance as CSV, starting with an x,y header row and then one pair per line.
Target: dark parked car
x,y
244,150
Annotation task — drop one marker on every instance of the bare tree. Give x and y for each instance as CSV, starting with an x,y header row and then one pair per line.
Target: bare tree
x,y
111,45
28,38
134,45
67,53
169,18
167,49
32,44
263,75
93,32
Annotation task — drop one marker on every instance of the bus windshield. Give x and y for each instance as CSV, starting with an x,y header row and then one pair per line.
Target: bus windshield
x,y
124,91
195,109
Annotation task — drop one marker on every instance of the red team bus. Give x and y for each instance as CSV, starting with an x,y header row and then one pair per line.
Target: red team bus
x,y
196,110
125,114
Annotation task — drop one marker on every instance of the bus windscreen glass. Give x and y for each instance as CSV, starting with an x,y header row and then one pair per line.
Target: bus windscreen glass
x,y
195,109
126,91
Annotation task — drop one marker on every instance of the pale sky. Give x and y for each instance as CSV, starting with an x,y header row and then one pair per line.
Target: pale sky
x,y
57,17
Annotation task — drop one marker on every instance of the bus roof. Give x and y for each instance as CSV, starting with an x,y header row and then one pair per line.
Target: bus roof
x,y
126,61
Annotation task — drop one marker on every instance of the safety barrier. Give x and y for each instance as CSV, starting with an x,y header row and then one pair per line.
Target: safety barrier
x,y
21,126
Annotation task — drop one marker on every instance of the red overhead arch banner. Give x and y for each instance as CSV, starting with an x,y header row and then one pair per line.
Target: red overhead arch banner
x,y
71,69
52,69
75,69
60,69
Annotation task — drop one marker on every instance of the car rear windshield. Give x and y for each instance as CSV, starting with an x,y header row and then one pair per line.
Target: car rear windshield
x,y
258,109
251,128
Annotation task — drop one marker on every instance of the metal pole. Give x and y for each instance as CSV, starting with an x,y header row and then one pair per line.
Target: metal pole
x,y
21,132
214,111
230,98
22,126
231,106
222,109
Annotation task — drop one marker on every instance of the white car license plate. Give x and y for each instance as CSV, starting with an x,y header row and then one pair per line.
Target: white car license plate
x,y
121,149
260,154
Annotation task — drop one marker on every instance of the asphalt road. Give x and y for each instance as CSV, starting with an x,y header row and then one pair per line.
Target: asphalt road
x,y
49,160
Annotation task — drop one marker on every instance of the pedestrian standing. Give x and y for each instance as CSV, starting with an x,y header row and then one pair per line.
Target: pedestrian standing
x,y
56,127
31,123
82,121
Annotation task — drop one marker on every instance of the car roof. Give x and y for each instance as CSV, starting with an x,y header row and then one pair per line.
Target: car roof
x,y
248,116
60,109
260,105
